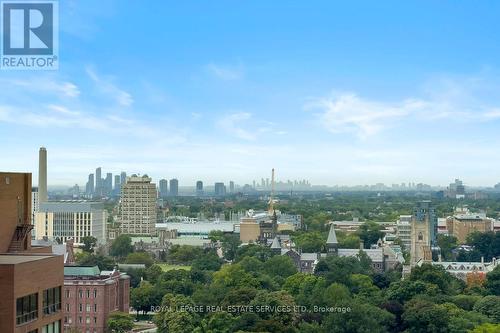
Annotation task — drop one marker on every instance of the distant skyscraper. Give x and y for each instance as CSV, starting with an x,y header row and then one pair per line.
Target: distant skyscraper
x,y
220,189
163,188
231,187
174,187
117,182
108,183
123,177
138,206
199,188
117,188
98,181
89,188
42,175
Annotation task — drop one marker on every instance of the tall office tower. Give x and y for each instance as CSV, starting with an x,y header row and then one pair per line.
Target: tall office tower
x,y
123,177
423,232
174,187
138,206
231,187
89,188
108,183
42,175
163,188
117,183
199,188
220,189
253,184
98,181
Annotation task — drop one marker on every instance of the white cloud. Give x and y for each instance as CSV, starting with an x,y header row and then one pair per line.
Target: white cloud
x,y
107,87
350,113
237,125
456,101
228,73
45,85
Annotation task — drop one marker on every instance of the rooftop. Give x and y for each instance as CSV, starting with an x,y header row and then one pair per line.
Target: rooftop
x,y
14,259
81,271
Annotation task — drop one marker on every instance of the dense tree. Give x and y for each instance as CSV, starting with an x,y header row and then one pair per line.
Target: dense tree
x,y
88,259
230,244
183,254
489,306
121,246
119,322
280,266
370,233
89,243
139,258
207,262
446,244
141,298
423,316
492,283
360,318
310,242
486,328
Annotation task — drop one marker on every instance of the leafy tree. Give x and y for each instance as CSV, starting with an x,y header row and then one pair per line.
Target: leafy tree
x,y
280,266
280,311
370,233
425,317
253,250
361,318
173,318
216,236
486,328
121,246
446,244
446,282
492,283
153,273
489,306
207,262
310,242
88,259
230,244
405,290
184,254
465,302
234,276
218,322
119,322
141,298
89,243
139,258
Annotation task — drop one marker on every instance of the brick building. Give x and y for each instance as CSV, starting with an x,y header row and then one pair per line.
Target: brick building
x,y
90,296
31,277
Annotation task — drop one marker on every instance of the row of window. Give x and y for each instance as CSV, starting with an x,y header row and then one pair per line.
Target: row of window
x,y
88,307
81,293
69,320
27,306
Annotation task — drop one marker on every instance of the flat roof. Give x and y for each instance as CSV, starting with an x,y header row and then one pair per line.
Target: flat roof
x,y
13,259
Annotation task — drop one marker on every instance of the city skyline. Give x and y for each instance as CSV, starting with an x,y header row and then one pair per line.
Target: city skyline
x,y
336,93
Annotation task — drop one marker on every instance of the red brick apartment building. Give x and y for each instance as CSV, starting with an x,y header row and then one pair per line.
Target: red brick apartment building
x,y
31,278
90,295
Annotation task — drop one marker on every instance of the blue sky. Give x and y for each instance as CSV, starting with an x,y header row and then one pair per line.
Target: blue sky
x,y
335,92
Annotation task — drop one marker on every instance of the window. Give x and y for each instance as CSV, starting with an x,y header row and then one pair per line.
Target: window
x,y
80,293
54,327
87,320
88,308
88,293
26,308
95,320
95,293
80,319
68,308
52,300
80,307
67,294
70,320
95,307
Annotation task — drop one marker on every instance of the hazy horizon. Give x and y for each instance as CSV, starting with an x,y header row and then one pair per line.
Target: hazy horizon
x,y
336,93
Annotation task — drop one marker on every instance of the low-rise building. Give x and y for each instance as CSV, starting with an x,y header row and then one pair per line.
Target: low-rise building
x,y
90,296
464,222
64,220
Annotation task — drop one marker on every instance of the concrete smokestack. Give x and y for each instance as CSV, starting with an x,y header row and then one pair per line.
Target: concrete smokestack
x,y
42,176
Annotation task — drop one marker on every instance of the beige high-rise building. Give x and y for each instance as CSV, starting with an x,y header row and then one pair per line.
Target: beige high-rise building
x,y
138,206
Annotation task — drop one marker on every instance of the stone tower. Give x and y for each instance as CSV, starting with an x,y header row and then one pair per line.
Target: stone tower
x,y
332,244
423,232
